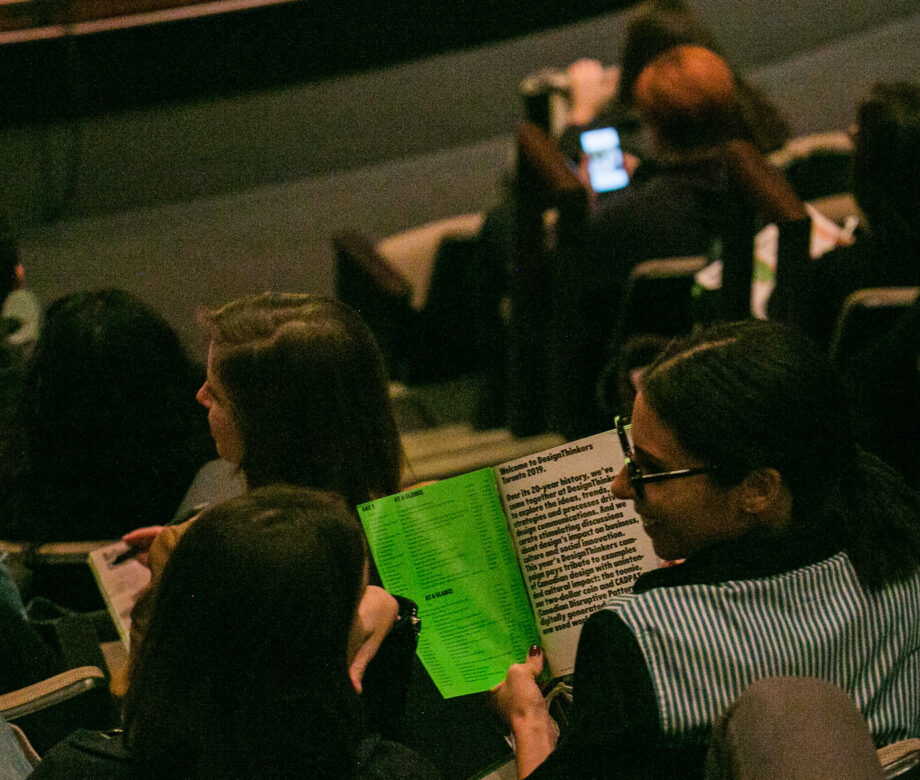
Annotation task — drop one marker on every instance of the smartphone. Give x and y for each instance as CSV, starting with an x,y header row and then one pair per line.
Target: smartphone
x,y
605,159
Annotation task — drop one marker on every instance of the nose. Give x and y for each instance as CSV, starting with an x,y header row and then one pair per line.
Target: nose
x,y
621,487
202,396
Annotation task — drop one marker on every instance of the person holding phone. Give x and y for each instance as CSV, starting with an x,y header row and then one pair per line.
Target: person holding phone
x,y
687,101
686,97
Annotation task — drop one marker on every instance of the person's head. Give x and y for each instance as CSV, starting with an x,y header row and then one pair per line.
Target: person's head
x,y
687,97
761,412
654,27
759,417
112,435
886,159
244,669
297,392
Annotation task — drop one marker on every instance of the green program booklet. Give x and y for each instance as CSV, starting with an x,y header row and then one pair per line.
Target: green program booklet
x,y
506,557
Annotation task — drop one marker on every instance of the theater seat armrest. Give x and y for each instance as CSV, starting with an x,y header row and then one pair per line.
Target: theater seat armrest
x,y
63,686
360,250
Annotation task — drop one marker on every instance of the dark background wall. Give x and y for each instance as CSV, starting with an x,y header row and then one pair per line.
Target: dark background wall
x,y
125,60
191,198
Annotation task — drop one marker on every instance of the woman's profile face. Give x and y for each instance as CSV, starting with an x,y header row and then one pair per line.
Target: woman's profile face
x,y
681,515
224,429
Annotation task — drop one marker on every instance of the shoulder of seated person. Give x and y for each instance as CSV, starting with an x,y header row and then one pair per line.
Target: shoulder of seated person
x,y
168,538
175,530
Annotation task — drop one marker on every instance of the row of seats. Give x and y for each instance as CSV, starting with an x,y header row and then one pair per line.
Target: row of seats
x,y
426,311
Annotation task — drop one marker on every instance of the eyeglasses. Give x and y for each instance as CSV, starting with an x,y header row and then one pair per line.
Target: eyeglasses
x,y
637,478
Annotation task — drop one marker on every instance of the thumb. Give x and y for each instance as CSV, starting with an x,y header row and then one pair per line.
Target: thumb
x,y
142,538
356,673
535,660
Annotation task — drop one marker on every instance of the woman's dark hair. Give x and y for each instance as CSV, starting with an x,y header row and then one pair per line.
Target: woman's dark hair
x,y
244,670
108,433
308,391
652,28
752,395
886,160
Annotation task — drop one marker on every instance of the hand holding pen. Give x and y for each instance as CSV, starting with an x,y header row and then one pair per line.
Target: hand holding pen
x,y
138,541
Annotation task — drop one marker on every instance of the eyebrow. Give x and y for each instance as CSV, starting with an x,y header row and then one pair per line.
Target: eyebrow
x,y
649,459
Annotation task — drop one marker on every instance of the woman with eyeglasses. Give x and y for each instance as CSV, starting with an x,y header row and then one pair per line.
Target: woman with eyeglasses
x,y
801,557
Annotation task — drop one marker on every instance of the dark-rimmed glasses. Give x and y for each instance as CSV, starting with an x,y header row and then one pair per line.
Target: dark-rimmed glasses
x,y
637,478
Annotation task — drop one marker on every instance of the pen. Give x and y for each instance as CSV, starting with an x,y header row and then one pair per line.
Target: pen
x,y
125,556
133,551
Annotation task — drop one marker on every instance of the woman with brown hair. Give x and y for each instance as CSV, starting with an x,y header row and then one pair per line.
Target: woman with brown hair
x,y
296,393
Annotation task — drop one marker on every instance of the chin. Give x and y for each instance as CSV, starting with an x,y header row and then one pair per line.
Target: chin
x,y
662,549
667,556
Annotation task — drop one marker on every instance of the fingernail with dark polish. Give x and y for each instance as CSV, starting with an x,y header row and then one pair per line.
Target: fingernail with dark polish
x,y
535,650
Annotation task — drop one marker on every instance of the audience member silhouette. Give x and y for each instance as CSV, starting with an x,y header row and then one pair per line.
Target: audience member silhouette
x,y
687,98
885,379
886,158
677,207
245,669
107,435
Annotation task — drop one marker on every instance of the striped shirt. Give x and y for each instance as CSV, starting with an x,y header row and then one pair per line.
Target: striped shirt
x,y
705,643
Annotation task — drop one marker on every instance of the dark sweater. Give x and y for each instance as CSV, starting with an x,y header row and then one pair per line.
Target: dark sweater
x,y
94,755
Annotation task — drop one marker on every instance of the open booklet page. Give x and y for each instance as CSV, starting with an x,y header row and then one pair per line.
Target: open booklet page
x,y
120,582
447,547
577,544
